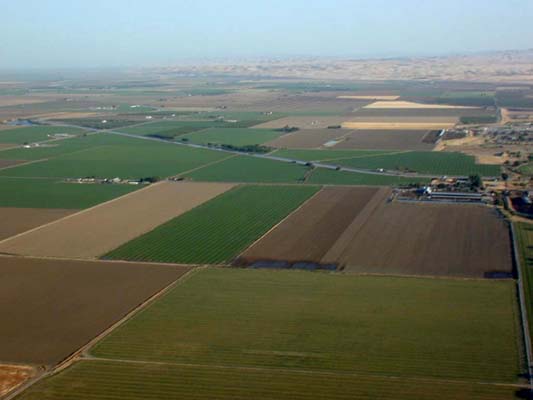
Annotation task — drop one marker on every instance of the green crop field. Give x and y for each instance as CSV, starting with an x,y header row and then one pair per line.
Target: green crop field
x,y
424,162
108,380
216,231
524,233
250,169
413,328
122,157
50,193
35,133
233,136
321,176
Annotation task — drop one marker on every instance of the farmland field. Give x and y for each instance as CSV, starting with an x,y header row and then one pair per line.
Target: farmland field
x,y
321,176
304,321
101,229
308,138
386,140
35,133
56,306
17,220
425,239
51,193
250,169
216,231
128,158
307,234
303,122
108,380
524,236
233,136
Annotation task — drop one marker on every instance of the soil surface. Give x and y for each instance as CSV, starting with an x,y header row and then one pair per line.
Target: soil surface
x,y
50,308
12,376
17,220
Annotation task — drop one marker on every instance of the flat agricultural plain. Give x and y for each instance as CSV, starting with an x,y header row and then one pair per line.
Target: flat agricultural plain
x,y
396,123
12,376
262,320
17,220
98,230
308,138
56,306
425,239
217,231
308,234
386,140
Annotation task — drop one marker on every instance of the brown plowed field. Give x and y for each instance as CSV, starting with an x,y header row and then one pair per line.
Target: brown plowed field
x,y
426,239
9,163
313,122
307,138
17,220
98,230
51,308
310,232
385,140
12,376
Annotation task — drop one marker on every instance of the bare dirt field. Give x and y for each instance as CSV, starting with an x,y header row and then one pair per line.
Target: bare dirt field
x,y
308,138
10,163
51,308
20,100
304,122
425,239
397,123
308,234
385,140
17,220
12,376
409,105
96,231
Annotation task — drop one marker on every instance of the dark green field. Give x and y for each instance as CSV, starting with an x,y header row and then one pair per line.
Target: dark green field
x,y
216,231
322,176
51,193
233,136
120,157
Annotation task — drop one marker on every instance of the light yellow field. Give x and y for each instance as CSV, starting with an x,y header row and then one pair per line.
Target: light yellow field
x,y
98,230
397,125
410,105
378,97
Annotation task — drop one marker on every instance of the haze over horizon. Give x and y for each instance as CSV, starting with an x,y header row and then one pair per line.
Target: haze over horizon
x,y
74,34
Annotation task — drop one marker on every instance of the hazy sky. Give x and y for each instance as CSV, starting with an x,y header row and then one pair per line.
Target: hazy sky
x,y
94,33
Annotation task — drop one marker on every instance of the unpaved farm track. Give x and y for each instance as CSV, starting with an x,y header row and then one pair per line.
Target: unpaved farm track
x,y
54,307
98,230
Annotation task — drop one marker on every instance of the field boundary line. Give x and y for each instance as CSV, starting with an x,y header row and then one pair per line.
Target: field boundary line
x,y
74,357
80,212
21,164
301,371
522,303
206,165
280,222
